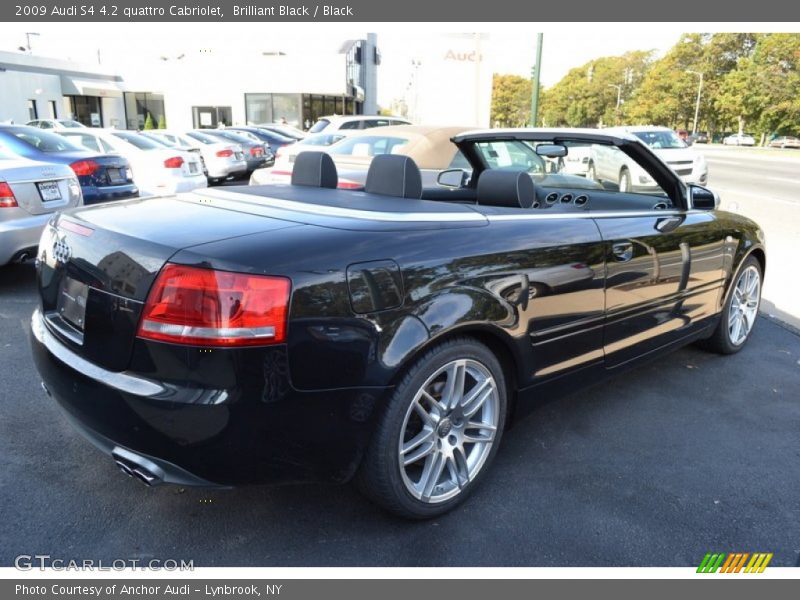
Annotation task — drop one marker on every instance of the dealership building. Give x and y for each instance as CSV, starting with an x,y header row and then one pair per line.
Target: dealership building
x,y
204,87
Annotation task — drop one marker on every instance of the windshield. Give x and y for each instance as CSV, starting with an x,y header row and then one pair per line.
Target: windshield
x,y
233,137
202,137
319,126
369,145
516,154
68,123
322,139
136,140
660,139
159,140
45,141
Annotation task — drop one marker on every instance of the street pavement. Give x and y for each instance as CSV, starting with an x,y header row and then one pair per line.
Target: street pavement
x,y
764,184
693,453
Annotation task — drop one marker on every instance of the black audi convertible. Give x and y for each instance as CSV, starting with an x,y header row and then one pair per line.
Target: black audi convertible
x,y
385,335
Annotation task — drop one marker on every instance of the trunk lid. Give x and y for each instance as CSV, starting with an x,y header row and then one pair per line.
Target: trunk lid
x,y
97,265
40,188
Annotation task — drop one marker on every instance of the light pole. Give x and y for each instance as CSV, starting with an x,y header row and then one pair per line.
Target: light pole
x,y
619,100
27,45
535,76
697,104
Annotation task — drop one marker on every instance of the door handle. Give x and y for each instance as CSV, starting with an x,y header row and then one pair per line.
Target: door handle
x,y
622,251
667,224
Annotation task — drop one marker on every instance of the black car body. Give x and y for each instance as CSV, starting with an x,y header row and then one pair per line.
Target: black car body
x,y
563,287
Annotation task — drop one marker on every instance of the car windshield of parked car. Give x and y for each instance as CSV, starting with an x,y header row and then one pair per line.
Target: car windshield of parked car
x,y
660,139
137,141
85,140
319,126
233,137
515,154
44,141
369,145
322,139
70,124
160,141
202,137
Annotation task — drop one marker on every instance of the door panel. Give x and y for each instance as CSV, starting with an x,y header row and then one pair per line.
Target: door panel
x,y
663,278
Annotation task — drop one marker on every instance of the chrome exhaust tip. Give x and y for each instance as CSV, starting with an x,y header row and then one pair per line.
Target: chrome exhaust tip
x,y
138,467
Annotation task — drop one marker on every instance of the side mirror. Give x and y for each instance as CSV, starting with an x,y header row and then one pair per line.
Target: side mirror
x,y
701,198
454,178
551,150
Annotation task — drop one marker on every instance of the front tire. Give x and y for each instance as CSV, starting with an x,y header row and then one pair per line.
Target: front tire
x,y
439,433
740,312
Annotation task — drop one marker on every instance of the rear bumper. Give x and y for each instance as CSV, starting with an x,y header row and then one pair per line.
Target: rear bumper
x,y
257,430
96,194
225,169
20,234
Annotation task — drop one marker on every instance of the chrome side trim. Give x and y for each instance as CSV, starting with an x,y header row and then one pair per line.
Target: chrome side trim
x,y
126,383
235,199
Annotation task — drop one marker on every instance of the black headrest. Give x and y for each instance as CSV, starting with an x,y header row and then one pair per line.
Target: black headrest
x,y
497,187
315,169
394,175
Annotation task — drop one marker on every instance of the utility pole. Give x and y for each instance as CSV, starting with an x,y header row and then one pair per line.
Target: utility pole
x,y
619,101
697,104
535,74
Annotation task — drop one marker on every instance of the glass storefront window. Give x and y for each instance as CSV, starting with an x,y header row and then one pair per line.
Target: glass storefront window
x,y
286,106
140,104
258,108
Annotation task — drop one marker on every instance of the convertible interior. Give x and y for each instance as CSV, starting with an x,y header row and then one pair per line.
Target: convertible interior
x,y
496,191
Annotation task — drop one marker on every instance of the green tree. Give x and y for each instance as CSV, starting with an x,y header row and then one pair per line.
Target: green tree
x,y
511,101
587,96
162,122
148,121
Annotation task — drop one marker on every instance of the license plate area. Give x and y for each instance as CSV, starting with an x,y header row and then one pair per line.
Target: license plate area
x,y
71,304
48,190
192,168
116,176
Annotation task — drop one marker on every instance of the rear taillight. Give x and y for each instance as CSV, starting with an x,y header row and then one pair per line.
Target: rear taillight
x,y
224,153
85,167
204,307
346,184
7,199
256,151
176,162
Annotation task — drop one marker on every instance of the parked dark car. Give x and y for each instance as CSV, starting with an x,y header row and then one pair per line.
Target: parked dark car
x,y
698,138
273,139
102,177
307,333
256,153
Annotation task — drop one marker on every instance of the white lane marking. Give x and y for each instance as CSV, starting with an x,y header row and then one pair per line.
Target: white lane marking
x,y
752,195
787,179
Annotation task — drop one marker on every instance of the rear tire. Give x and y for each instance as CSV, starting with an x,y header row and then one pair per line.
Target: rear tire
x,y
439,433
740,312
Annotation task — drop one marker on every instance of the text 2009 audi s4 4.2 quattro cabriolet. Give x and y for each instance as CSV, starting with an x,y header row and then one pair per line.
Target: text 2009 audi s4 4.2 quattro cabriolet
x,y
300,332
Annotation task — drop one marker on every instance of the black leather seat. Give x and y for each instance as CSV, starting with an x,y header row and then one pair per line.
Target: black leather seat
x,y
394,175
315,169
498,187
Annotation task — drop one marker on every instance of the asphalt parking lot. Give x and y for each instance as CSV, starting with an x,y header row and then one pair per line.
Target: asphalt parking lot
x,y
691,454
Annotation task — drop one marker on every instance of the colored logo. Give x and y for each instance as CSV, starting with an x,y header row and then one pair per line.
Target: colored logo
x,y
735,562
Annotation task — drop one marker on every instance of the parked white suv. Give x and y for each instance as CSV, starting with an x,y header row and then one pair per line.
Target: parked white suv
x,y
608,165
338,122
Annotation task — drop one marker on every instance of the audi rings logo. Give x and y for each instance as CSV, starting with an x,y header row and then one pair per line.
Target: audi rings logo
x,y
61,250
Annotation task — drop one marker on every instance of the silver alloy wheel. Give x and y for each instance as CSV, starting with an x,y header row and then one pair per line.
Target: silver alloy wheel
x,y
448,430
744,302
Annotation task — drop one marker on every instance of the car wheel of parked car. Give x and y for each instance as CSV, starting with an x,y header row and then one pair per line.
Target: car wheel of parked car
x,y
439,433
624,180
740,312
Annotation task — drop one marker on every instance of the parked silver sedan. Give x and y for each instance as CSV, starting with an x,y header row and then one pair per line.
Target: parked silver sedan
x,y
30,192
